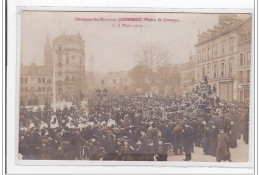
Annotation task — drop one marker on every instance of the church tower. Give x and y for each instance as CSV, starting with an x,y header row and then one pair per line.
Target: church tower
x,y
47,53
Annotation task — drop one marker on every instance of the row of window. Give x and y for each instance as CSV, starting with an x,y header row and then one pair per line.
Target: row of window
x,y
226,47
242,78
245,58
73,79
187,75
39,89
68,59
39,80
207,71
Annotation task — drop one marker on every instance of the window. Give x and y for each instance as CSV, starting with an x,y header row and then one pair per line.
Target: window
x,y
208,54
39,80
43,89
208,70
223,47
248,76
73,57
222,69
59,65
246,94
216,50
22,89
59,72
59,48
39,89
203,55
114,81
231,44
241,38
26,89
203,72
43,80
25,80
215,71
241,59
248,57
240,76
67,60
49,81
230,66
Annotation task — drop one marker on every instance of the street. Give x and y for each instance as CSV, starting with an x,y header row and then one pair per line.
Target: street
x,y
238,154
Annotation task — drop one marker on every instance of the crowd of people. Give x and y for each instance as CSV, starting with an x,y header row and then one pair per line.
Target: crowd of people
x,y
134,128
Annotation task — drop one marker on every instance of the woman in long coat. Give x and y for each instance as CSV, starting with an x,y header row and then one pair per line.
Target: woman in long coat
x,y
223,147
188,136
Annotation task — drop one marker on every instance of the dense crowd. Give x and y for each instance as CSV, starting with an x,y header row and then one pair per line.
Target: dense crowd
x,y
134,128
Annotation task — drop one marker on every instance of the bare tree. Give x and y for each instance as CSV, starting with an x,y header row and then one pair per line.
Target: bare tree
x,y
153,57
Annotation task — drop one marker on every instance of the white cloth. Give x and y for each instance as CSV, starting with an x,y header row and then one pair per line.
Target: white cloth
x,y
70,119
31,125
24,129
81,126
111,122
43,125
70,125
90,123
54,122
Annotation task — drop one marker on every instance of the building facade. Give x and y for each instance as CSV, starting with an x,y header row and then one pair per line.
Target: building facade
x,y
69,56
36,81
115,81
187,72
218,56
36,85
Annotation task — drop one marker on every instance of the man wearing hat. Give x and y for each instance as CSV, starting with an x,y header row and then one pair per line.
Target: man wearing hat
x,y
188,137
178,139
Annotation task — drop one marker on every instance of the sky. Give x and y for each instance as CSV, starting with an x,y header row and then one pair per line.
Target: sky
x,y
114,48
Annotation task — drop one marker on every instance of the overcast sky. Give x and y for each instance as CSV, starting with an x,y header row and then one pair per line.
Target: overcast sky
x,y
113,49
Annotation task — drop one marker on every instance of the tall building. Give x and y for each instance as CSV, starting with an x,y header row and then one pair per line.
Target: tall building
x,y
244,47
48,53
69,56
218,54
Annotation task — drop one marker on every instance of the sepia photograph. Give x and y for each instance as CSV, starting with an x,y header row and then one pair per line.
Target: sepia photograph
x,y
132,86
